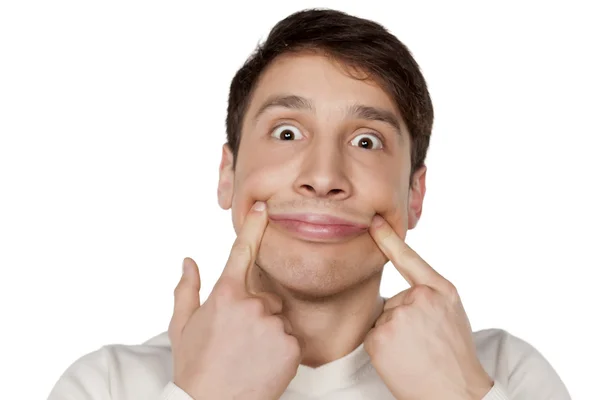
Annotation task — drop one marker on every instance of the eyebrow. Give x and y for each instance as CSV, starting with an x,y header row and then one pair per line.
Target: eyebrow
x,y
359,111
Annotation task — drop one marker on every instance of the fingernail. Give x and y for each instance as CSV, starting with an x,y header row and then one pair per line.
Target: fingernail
x,y
259,206
377,221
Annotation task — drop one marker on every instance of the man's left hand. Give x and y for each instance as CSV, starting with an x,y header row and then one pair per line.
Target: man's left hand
x,y
422,345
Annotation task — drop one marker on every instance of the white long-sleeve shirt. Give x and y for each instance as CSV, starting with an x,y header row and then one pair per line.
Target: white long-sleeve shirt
x,y
128,372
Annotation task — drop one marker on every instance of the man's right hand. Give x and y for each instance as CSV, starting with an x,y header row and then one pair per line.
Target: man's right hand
x,y
235,345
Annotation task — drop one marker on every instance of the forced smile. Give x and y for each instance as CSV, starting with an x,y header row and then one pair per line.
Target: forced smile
x,y
318,227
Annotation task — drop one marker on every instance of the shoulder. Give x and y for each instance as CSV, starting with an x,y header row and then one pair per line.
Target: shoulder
x,y
114,370
518,366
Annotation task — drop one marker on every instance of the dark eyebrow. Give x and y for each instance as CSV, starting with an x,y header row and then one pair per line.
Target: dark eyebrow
x,y
359,111
370,113
286,101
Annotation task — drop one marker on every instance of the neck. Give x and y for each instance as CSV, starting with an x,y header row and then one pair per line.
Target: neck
x,y
328,328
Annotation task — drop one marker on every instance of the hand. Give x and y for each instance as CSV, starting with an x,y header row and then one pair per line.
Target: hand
x,y
422,345
234,345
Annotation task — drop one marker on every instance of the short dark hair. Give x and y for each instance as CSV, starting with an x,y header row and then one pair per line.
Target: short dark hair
x,y
356,43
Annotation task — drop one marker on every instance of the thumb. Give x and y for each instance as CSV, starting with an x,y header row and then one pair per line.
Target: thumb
x,y
187,298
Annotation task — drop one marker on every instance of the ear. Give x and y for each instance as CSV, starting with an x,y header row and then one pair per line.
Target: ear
x,y
415,197
226,176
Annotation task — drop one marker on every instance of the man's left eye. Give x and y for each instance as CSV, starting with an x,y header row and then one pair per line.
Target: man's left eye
x,y
367,141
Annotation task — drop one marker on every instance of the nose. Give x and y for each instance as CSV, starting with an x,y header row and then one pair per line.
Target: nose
x,y
323,174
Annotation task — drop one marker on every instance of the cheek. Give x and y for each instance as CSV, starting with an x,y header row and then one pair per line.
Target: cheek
x,y
259,183
388,197
398,220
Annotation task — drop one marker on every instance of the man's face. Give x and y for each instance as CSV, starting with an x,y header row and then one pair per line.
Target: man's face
x,y
320,153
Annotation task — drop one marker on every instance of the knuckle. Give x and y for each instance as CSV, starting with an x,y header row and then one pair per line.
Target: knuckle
x,y
293,347
254,307
376,339
451,292
223,294
386,333
397,314
422,293
276,324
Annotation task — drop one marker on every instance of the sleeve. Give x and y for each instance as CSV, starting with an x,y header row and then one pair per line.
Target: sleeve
x,y
531,377
88,379
85,379
174,392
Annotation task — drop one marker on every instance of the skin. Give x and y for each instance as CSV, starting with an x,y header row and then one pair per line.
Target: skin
x,y
298,301
206,342
322,284
422,345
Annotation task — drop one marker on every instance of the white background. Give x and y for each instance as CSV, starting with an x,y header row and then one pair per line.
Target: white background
x,y
112,118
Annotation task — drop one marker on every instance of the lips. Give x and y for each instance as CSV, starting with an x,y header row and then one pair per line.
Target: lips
x,y
318,227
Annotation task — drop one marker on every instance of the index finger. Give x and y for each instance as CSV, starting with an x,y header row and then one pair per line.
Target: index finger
x,y
244,250
410,265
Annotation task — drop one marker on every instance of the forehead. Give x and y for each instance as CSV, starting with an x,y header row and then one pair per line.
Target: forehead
x,y
327,83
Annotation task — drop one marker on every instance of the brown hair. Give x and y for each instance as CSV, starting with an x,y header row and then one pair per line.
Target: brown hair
x,y
356,43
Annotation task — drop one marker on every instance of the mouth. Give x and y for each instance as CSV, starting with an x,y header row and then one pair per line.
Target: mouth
x,y
318,227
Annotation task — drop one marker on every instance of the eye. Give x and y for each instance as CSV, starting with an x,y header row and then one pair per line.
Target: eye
x,y
287,132
367,141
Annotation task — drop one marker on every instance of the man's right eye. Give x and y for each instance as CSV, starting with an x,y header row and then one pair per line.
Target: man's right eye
x,y
287,132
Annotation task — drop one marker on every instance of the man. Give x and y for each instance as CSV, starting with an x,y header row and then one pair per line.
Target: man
x,y
327,131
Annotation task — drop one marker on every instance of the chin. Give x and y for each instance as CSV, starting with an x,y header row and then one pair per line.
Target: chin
x,y
317,270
